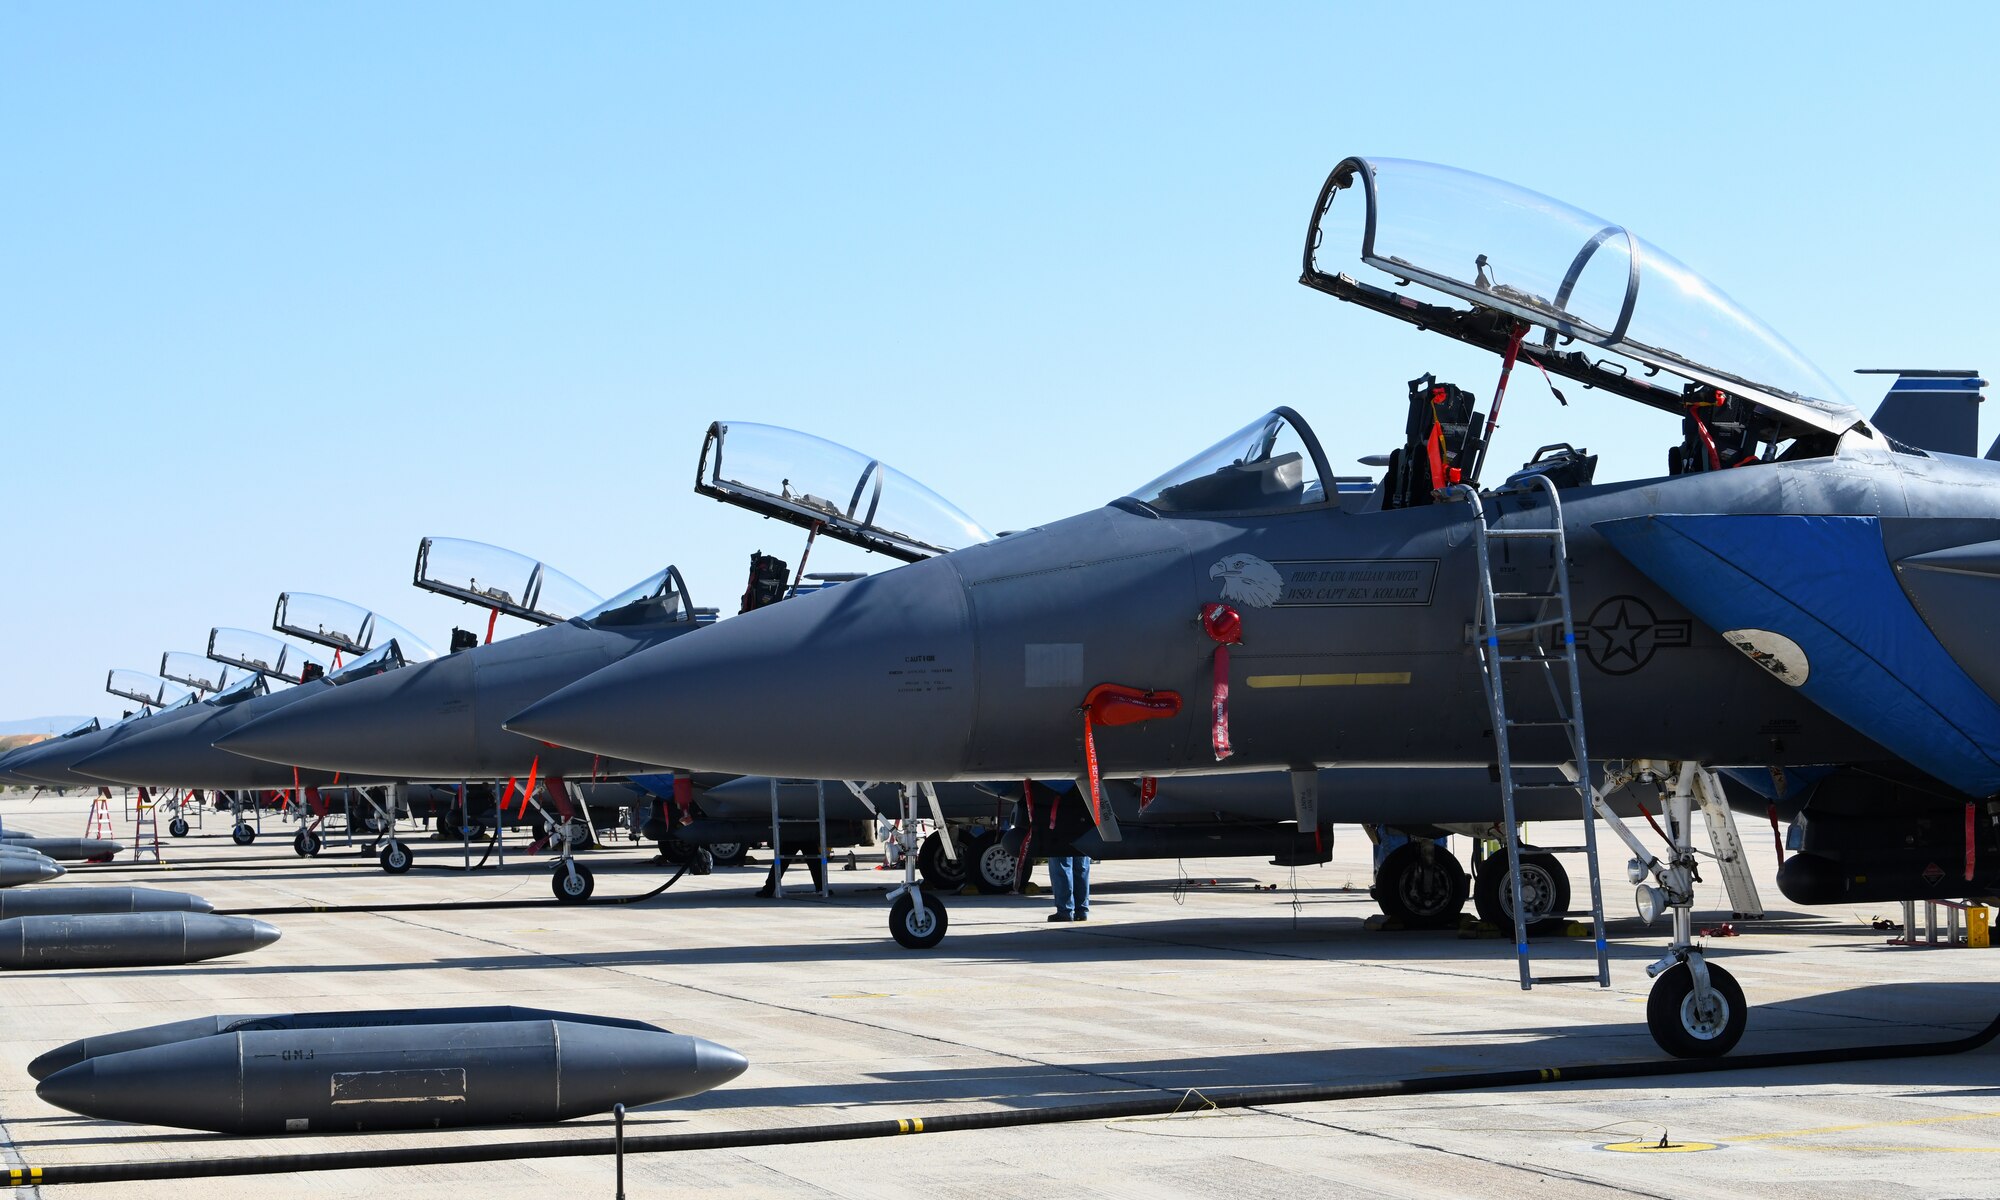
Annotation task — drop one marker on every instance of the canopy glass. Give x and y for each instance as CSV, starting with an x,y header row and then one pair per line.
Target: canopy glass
x,y
262,653
822,485
197,671
1273,463
146,689
339,625
495,578
1567,274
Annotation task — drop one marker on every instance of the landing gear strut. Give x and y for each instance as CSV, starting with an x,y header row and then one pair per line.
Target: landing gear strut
x,y
1696,1009
917,919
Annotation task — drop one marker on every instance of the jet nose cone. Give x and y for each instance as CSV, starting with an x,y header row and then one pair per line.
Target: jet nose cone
x,y
715,1065
173,755
398,723
862,681
261,934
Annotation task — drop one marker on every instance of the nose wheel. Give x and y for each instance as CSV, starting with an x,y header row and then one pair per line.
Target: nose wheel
x,y
572,882
1688,1024
242,835
178,827
397,857
306,843
917,928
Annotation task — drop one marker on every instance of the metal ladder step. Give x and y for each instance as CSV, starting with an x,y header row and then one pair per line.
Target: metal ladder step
x,y
1549,642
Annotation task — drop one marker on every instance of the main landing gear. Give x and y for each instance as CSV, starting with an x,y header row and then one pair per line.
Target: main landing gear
x,y
1421,885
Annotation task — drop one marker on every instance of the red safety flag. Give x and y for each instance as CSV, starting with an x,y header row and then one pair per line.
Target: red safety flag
x,y
528,792
1115,704
684,797
1223,625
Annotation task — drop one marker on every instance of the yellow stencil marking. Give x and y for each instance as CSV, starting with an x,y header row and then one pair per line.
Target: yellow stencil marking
x,y
1346,679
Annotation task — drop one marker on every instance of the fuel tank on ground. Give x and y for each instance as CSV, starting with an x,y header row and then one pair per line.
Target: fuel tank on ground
x,y
397,1077
71,1053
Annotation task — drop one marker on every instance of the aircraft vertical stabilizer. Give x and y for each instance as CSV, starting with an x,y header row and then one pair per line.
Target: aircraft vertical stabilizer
x,y
1932,409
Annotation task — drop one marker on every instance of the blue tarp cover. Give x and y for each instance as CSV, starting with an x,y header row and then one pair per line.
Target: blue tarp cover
x,y
1826,583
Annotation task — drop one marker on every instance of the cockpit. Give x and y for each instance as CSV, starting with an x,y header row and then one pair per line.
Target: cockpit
x,y
1555,289
343,627
249,687
661,596
150,690
388,656
829,489
501,580
264,654
1271,464
197,671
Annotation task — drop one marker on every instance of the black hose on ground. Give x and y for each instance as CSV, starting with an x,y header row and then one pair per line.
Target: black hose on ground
x,y
1165,1104
439,906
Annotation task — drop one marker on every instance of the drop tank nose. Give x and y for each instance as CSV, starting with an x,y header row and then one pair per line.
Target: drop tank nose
x,y
847,683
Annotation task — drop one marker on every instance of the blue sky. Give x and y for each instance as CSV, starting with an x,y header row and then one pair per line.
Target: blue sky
x,y
285,288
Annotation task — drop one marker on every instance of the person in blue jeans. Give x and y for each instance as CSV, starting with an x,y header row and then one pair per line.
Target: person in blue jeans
x,y
1069,879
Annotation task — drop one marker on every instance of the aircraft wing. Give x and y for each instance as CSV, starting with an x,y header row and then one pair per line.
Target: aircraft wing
x,y
1872,622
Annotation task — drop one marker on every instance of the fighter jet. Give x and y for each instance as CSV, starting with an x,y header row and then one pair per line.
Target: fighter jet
x,y
1798,592
441,720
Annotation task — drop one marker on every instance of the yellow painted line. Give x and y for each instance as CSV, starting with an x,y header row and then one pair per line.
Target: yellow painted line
x,y
1346,679
1822,1130
1656,1148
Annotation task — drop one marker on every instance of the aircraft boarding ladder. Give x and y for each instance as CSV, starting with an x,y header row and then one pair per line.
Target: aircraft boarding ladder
x,y
1529,632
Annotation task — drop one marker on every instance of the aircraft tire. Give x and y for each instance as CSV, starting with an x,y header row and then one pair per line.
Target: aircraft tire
x,y
941,874
992,867
912,934
1681,1031
178,827
397,857
243,835
572,890
729,854
306,843
1421,889
1544,886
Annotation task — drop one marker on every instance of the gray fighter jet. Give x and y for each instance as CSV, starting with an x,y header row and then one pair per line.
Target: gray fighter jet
x,y
1798,594
442,720
181,754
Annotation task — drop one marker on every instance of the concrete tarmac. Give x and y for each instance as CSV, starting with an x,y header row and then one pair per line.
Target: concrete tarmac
x,y
1190,975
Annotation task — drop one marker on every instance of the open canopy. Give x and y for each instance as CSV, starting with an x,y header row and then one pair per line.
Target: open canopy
x,y
262,653
197,671
341,626
1524,260
502,580
822,485
146,689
